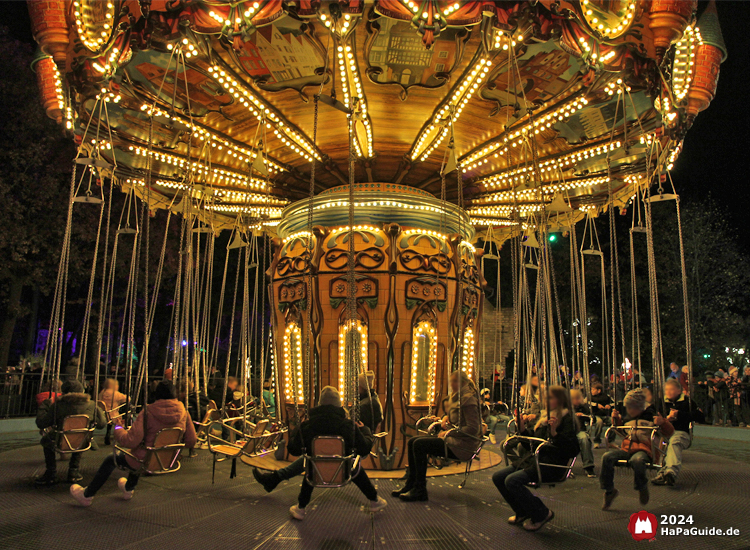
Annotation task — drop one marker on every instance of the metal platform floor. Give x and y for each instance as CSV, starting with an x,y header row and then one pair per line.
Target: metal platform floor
x,y
186,511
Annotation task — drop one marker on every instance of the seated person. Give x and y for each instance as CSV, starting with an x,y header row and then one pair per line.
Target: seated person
x,y
601,408
487,416
370,409
636,446
559,427
52,393
459,444
329,418
583,415
649,395
112,399
221,398
165,412
532,404
680,415
52,415
269,398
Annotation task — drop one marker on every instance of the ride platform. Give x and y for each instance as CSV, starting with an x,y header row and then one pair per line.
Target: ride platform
x,y
186,510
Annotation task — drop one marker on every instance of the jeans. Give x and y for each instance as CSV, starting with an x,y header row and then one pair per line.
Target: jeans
x,y
419,449
491,424
359,479
587,454
637,461
595,429
105,470
294,469
512,485
50,461
673,461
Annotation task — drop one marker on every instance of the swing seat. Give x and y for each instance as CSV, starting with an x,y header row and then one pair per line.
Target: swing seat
x,y
658,443
75,436
162,456
202,427
111,414
377,444
328,467
565,470
258,441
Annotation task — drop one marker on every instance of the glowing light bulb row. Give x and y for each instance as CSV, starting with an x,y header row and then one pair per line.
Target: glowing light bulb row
x,y
684,61
616,87
88,26
215,175
451,8
253,197
426,232
467,355
185,47
609,31
674,153
370,228
254,210
241,153
516,137
423,329
299,234
294,139
549,166
351,86
451,109
526,194
492,211
362,367
504,41
293,376
395,204
60,94
496,222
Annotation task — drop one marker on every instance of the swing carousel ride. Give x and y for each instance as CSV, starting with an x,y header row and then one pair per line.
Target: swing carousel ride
x,y
385,149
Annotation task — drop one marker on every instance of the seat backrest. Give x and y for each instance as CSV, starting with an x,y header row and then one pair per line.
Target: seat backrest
x,y
75,435
165,451
329,464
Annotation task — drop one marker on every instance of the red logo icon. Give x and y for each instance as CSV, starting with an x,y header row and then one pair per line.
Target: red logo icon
x,y
643,525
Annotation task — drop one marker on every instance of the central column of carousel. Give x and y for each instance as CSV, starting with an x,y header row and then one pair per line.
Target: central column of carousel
x,y
418,290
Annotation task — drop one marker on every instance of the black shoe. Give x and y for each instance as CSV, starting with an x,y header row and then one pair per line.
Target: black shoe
x,y
402,491
74,476
406,474
47,479
589,471
269,481
609,496
107,441
670,479
643,495
193,453
417,494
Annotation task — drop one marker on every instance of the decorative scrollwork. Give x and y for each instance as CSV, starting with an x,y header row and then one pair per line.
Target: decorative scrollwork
x,y
369,258
437,263
293,265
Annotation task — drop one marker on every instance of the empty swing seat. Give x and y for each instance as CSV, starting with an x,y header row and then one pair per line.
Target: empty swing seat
x,y
560,472
112,414
161,457
75,436
328,466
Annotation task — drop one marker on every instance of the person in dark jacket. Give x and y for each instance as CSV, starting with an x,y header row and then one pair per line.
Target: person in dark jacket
x,y
50,418
559,427
680,415
370,409
329,418
165,412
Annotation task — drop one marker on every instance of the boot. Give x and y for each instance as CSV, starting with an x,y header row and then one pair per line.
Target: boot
x,y
403,490
74,476
418,493
269,481
48,478
406,474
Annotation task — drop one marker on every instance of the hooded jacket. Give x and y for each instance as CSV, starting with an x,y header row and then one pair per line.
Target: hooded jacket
x,y
640,440
328,420
162,413
370,410
465,441
53,414
112,399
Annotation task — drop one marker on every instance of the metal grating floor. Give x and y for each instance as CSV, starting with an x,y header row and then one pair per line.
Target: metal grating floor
x,y
185,510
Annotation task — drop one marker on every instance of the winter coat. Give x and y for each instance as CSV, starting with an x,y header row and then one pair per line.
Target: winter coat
x,y
162,413
370,410
44,396
586,410
328,420
640,440
112,399
598,402
53,414
465,441
564,446
684,412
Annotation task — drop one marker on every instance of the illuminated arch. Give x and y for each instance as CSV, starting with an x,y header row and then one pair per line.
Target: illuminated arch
x,y
423,363
294,382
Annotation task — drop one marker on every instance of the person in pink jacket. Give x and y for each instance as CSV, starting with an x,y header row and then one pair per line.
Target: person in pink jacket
x,y
165,412
112,400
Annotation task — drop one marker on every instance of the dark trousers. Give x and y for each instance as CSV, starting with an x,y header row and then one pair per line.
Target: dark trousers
x,y
512,485
419,449
50,460
360,479
637,461
294,469
105,470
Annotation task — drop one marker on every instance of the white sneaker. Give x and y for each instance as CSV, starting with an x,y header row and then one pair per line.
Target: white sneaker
x,y
493,439
76,491
297,513
377,505
126,495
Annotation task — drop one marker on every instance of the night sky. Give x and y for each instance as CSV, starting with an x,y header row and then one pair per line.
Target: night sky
x,y
717,148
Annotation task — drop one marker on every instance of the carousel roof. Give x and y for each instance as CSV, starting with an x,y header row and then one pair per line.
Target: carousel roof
x,y
543,107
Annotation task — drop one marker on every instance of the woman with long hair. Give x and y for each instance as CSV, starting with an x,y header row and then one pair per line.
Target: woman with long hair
x,y
558,425
459,437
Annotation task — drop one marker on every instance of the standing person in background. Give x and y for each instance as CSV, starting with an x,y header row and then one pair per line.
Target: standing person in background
x,y
685,379
674,371
734,390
